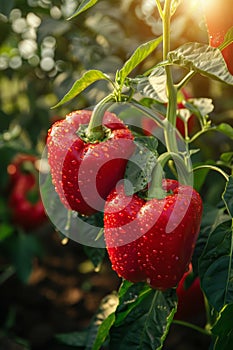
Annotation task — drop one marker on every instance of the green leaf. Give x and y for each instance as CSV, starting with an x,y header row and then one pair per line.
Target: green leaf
x,y
141,164
203,59
154,105
81,84
211,218
80,229
223,329
22,250
103,331
125,287
226,159
96,255
228,39
154,111
153,86
130,296
85,5
147,324
200,177
95,334
226,129
159,319
6,231
228,196
73,339
137,57
216,266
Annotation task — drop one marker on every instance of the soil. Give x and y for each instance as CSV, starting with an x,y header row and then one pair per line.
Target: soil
x,y
62,295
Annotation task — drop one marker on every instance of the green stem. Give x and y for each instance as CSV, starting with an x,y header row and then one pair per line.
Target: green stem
x,y
185,80
159,8
201,132
170,129
156,190
212,167
181,166
192,326
148,112
208,315
96,130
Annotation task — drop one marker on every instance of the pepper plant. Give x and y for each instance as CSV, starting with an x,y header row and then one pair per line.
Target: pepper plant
x,y
155,223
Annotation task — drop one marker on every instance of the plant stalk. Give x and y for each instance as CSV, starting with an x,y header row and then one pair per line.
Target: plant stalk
x,y
170,129
96,130
192,326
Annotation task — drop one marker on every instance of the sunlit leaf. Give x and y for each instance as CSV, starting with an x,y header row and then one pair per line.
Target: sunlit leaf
x,y
203,59
137,57
153,86
85,5
228,39
81,84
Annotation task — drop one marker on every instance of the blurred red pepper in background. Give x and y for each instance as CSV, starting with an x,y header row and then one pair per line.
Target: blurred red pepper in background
x,y
149,124
219,19
24,200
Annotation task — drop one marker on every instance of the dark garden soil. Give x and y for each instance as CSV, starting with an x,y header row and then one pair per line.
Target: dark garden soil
x,y
61,296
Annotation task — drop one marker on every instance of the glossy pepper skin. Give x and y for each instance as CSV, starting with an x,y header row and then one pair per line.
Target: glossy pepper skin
x,y
149,124
84,173
152,240
219,20
26,212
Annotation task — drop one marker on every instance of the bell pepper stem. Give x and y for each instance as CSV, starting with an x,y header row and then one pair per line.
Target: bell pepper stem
x,y
155,189
96,130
